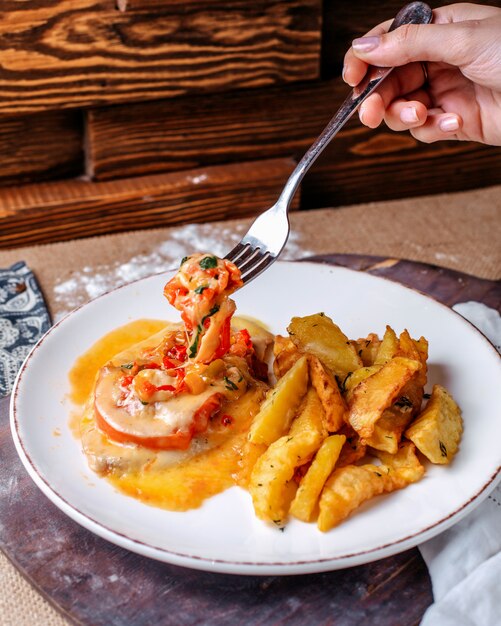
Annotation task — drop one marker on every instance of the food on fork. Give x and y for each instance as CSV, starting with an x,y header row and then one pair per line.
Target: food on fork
x,y
179,412
200,291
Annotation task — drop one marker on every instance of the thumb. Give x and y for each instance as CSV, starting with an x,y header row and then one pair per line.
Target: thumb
x,y
446,43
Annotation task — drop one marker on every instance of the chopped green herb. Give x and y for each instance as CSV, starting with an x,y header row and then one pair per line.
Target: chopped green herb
x,y
443,449
208,262
200,289
183,260
360,352
229,384
342,386
378,474
403,401
367,343
426,396
127,366
143,403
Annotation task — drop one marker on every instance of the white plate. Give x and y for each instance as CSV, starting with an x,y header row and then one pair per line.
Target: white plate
x,y
224,535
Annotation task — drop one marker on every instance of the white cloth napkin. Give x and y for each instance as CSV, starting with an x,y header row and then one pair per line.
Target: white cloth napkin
x,y
465,561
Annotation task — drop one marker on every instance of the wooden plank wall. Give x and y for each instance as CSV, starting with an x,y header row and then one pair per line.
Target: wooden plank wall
x,y
157,112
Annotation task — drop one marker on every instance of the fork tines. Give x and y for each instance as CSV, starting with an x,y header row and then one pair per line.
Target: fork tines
x,y
249,260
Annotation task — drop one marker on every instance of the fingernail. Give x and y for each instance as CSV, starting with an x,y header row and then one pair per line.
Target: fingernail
x,y
365,44
343,74
448,124
409,115
361,113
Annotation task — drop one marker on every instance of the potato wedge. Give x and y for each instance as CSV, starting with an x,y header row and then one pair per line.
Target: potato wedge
x,y
405,466
388,347
388,430
328,391
376,393
286,354
417,350
355,378
437,430
367,348
311,416
250,454
311,485
319,335
274,469
346,490
353,449
350,486
280,405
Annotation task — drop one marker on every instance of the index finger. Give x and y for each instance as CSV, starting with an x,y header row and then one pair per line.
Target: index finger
x,y
355,69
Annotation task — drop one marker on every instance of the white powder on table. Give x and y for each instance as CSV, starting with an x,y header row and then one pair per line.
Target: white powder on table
x,y
92,281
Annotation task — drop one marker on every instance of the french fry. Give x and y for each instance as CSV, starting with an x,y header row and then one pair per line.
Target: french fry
x,y
328,391
311,485
353,449
367,391
346,490
274,469
437,430
280,405
311,416
388,430
286,354
356,377
250,454
350,486
367,348
376,393
411,349
318,335
405,467
388,347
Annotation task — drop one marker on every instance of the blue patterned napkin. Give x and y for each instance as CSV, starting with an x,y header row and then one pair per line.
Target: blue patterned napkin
x,y
23,320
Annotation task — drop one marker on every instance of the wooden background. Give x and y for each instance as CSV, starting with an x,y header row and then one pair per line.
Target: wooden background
x,y
120,114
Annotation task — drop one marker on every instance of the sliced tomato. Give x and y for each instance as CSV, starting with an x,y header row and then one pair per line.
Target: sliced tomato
x,y
242,345
179,440
209,408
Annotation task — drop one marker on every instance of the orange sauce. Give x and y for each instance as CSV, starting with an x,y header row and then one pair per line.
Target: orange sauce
x,y
187,484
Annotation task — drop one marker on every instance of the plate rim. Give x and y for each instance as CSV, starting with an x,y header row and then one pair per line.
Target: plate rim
x,y
304,566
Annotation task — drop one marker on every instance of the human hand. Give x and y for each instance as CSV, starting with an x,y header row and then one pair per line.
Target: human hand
x,y
460,98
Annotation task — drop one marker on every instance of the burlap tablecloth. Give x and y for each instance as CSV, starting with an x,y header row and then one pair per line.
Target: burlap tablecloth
x,y
459,231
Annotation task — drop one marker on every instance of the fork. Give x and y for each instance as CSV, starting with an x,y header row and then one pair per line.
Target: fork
x,y
268,234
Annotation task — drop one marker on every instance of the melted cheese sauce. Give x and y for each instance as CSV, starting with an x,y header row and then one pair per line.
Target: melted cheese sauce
x,y
171,480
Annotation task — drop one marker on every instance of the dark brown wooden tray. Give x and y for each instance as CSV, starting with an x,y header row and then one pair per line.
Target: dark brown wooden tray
x,y
94,582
